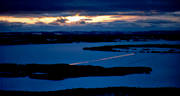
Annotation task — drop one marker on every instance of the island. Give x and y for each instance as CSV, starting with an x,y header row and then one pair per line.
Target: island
x,y
138,48
63,71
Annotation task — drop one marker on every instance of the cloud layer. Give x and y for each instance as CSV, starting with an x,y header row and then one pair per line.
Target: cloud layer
x,y
93,15
88,5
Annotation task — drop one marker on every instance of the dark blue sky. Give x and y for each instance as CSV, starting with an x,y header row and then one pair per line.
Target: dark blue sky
x,y
151,14
88,5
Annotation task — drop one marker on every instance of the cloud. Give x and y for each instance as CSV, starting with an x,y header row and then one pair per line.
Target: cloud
x,y
111,15
138,25
88,5
152,21
61,20
5,26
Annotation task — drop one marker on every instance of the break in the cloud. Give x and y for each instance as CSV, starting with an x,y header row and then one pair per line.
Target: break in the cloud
x,y
89,15
115,21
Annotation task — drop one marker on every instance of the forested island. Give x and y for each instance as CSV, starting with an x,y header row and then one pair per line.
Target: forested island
x,y
143,48
63,71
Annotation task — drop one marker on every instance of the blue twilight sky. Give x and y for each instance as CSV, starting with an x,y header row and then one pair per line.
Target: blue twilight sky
x,y
89,15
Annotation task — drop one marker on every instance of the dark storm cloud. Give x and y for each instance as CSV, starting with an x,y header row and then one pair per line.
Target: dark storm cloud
x,y
88,5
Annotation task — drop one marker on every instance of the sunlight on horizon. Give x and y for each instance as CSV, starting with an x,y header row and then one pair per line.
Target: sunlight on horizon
x,y
69,20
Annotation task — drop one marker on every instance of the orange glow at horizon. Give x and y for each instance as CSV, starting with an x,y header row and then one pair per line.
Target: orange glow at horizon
x,y
82,19
27,20
67,19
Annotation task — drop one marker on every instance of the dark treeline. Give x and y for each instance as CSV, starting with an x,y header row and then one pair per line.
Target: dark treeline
x,y
94,36
146,47
110,91
63,71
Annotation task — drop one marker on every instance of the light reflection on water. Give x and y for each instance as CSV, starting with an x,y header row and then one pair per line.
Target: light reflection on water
x,y
103,59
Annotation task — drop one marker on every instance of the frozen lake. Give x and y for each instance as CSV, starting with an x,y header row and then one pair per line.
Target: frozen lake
x,y
165,66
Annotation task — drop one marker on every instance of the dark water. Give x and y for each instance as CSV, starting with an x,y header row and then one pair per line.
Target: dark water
x,y
166,67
